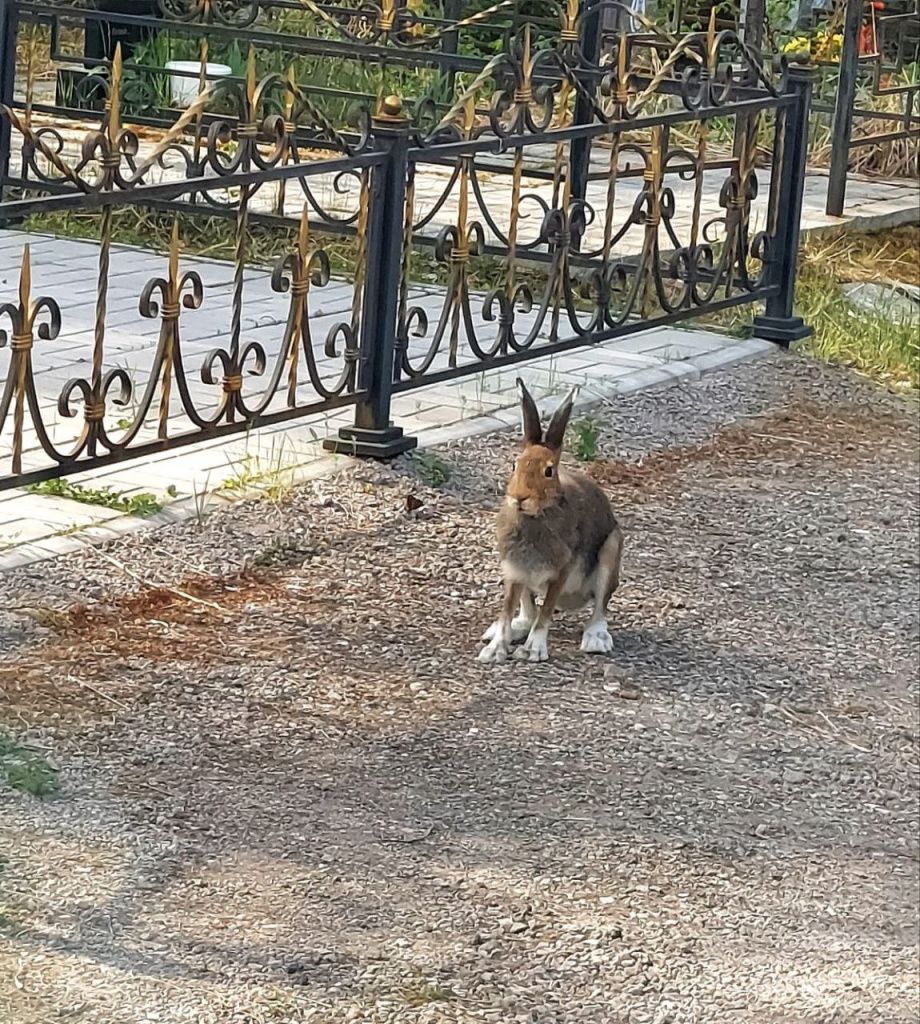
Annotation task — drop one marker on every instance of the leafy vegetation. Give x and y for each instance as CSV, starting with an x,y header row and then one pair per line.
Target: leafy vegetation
x,y
431,468
885,349
585,435
144,504
26,769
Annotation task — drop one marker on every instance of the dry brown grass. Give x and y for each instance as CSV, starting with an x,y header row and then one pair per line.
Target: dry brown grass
x,y
883,258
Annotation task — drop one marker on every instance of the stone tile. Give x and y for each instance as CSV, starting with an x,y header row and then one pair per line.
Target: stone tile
x,y
484,400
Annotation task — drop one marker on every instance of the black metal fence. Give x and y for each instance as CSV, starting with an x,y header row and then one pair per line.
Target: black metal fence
x,y
866,95
877,96
462,236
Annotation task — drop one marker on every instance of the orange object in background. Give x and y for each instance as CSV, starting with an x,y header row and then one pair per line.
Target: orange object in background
x,y
868,38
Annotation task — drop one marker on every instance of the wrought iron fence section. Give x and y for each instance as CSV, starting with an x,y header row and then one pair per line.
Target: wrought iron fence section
x,y
867,87
475,237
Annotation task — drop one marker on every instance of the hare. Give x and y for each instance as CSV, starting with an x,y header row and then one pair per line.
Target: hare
x,y
557,537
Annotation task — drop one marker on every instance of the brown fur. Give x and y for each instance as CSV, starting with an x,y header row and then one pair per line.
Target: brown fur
x,y
548,524
557,536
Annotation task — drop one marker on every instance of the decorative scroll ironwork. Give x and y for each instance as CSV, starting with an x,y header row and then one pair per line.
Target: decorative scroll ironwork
x,y
866,107
472,239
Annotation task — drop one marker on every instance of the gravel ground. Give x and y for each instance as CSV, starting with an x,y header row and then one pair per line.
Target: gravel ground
x,y
289,792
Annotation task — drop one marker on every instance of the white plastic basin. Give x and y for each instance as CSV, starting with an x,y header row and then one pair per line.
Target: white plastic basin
x,y
184,86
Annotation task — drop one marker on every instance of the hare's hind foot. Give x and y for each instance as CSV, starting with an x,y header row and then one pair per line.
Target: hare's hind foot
x,y
596,639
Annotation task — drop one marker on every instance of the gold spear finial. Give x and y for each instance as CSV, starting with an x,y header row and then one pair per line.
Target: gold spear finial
x,y
622,94
251,79
25,283
174,254
711,39
114,121
303,234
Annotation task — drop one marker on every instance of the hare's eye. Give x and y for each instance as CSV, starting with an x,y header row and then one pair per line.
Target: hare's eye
x,y
548,471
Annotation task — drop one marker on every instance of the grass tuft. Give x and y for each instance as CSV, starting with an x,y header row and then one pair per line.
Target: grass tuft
x,y
885,349
26,769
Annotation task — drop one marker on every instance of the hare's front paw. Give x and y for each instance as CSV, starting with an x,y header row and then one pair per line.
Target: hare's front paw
x,y
520,627
496,650
535,648
596,639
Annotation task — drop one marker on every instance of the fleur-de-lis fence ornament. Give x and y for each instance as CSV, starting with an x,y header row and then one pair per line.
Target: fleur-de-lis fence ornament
x,y
299,270
176,292
27,317
523,105
110,156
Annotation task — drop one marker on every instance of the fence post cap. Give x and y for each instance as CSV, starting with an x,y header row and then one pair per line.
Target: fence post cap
x,y
390,109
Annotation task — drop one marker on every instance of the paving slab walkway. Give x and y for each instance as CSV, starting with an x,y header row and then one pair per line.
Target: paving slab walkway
x,y
188,480
871,203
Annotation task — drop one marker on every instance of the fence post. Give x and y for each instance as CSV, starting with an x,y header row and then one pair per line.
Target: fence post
x,y
580,148
778,323
843,109
9,26
373,435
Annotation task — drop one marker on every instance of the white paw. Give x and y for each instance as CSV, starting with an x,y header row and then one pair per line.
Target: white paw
x,y
495,652
491,633
520,629
597,640
536,648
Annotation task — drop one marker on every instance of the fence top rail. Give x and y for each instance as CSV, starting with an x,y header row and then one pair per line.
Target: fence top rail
x,y
170,190
492,144
391,32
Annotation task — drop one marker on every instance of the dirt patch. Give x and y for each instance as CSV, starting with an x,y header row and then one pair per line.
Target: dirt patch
x,y
805,431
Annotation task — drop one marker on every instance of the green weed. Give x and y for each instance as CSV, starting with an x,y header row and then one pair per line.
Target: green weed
x,y
26,769
431,469
144,504
585,437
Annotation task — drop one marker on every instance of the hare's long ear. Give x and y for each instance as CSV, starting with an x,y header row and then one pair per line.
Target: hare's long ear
x,y
555,432
533,431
